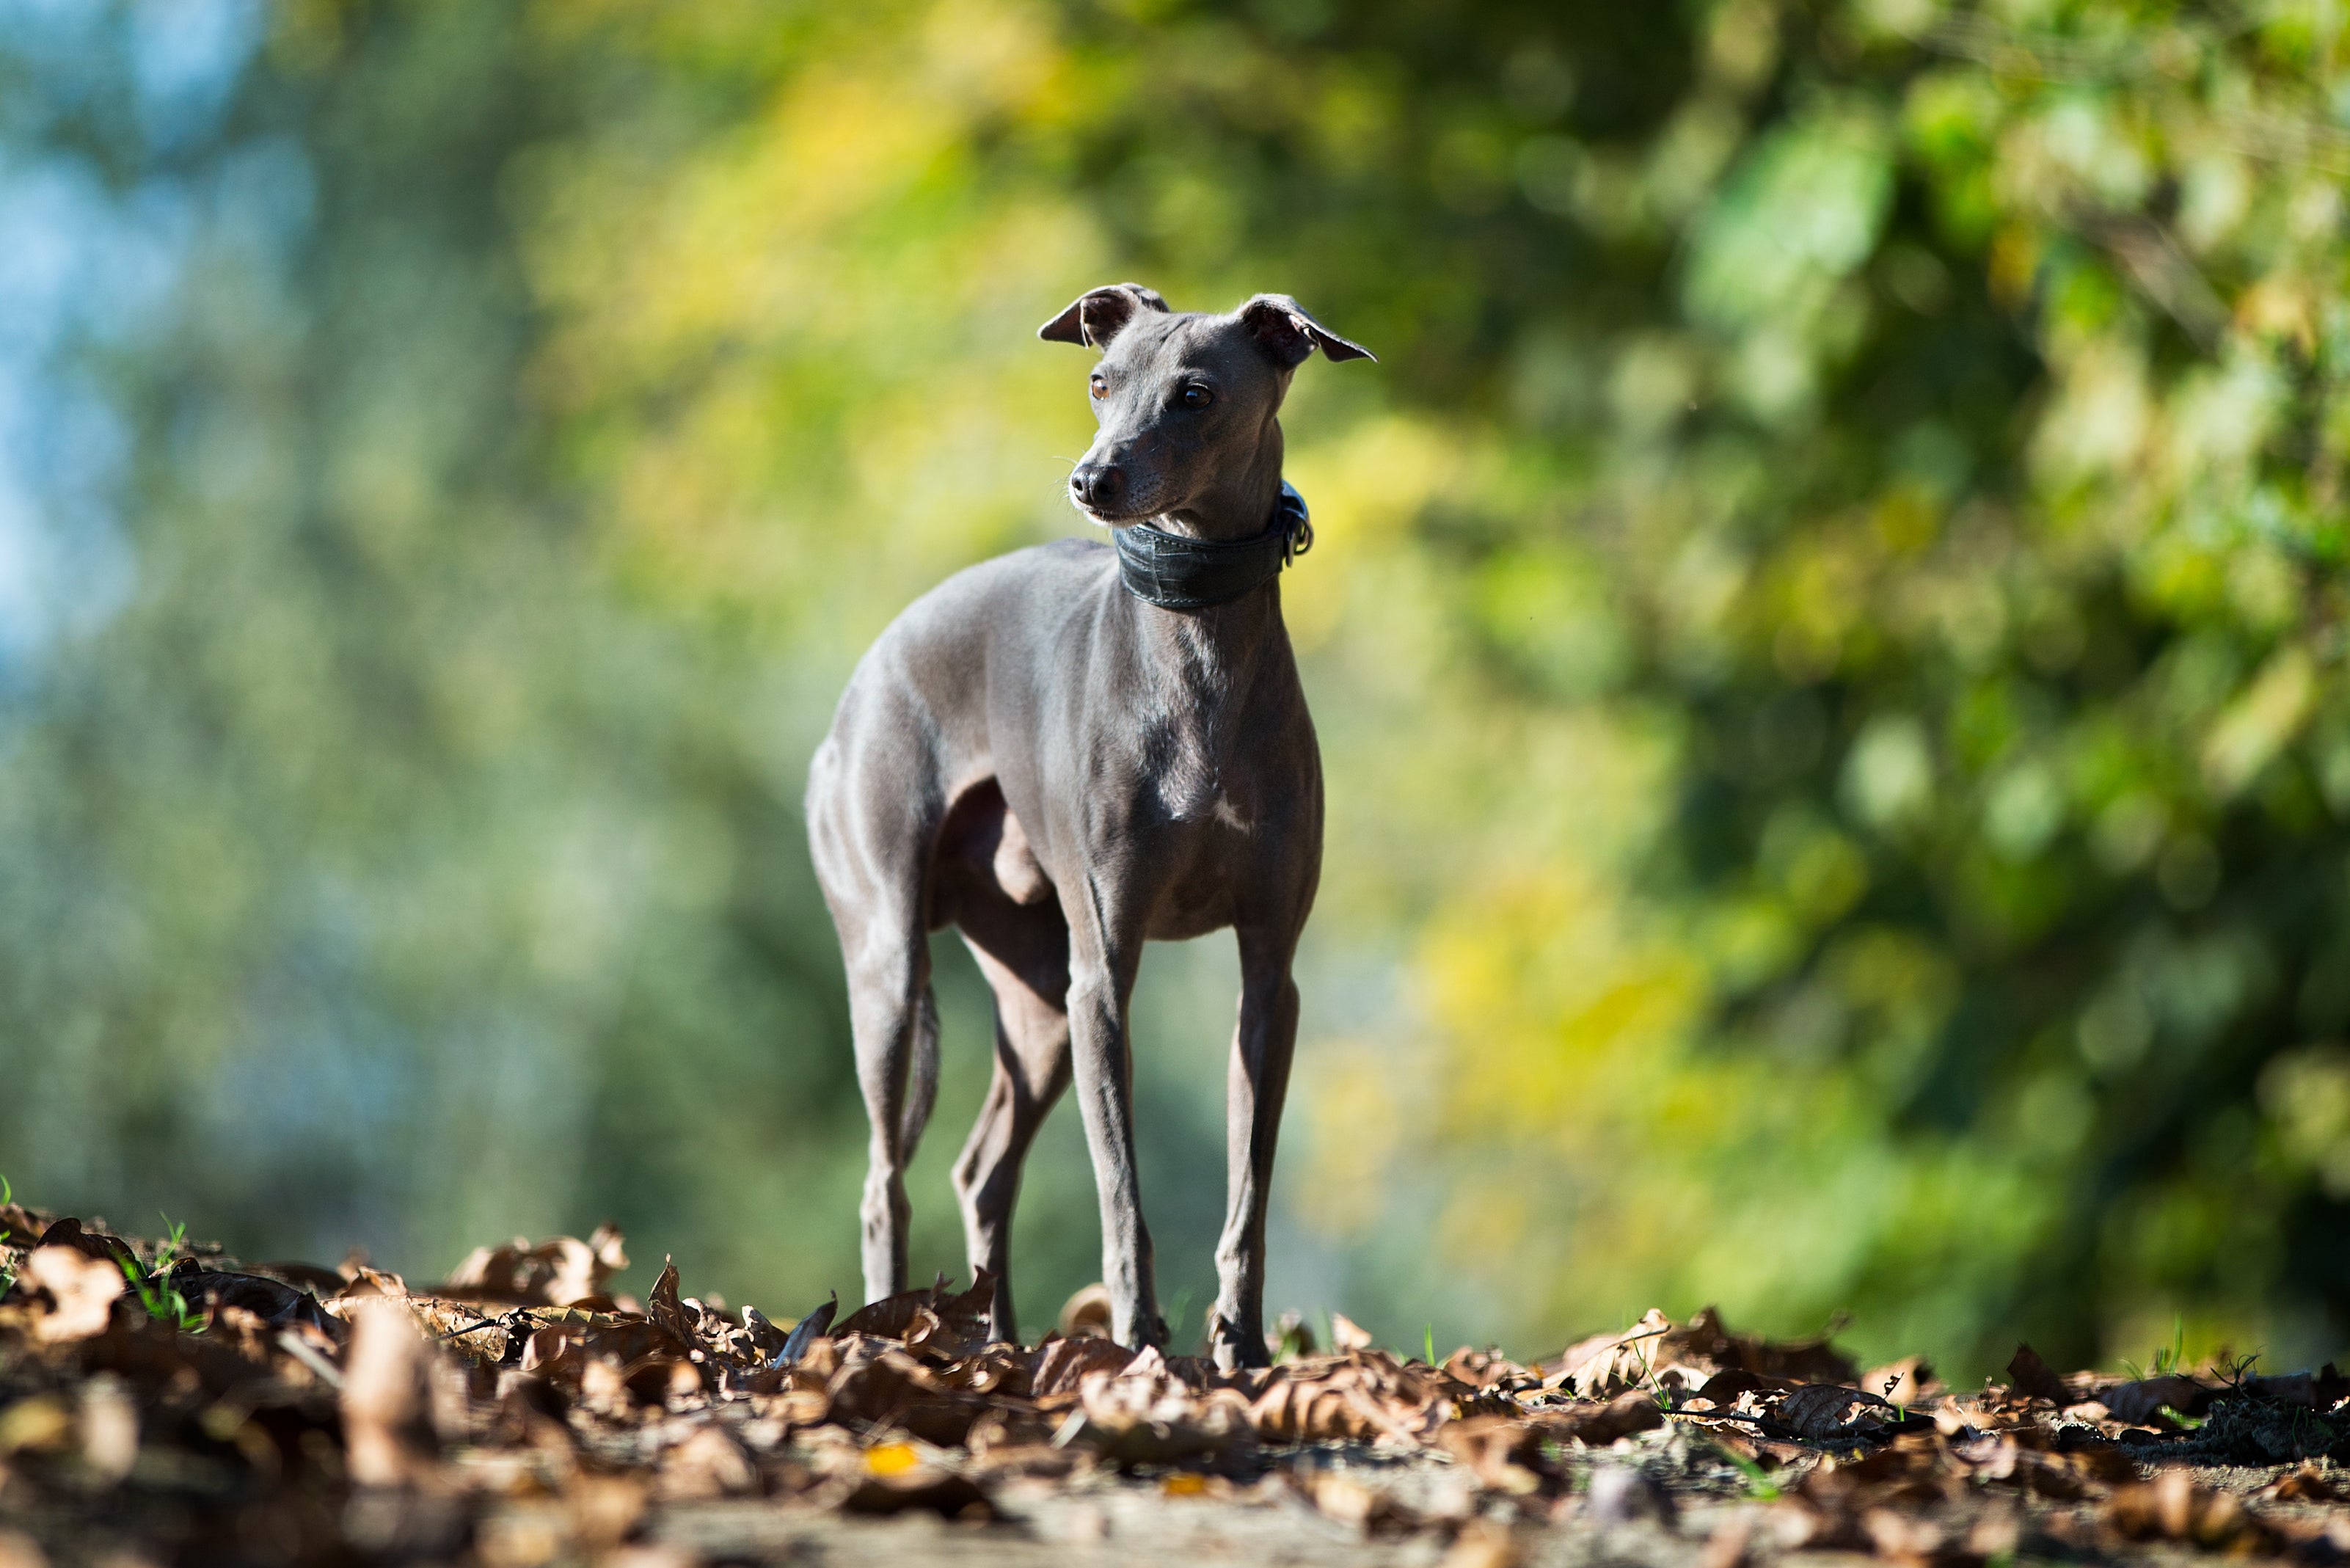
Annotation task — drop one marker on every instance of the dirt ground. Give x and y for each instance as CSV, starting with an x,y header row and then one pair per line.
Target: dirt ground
x,y
1700,1515
1710,1523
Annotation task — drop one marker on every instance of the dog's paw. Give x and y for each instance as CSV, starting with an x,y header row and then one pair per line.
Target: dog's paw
x,y
1234,1346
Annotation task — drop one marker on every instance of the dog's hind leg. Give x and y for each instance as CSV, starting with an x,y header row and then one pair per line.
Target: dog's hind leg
x,y
895,1023
1025,954
870,842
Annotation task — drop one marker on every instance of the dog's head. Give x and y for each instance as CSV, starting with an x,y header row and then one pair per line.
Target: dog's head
x,y
1187,404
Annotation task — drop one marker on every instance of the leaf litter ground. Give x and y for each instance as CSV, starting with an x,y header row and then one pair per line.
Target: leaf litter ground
x,y
161,1403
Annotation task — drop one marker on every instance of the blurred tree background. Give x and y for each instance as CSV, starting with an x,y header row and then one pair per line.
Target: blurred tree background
x,y
1827,630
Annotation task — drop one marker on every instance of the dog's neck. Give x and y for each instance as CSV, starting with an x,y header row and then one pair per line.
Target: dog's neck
x,y
1215,647
1240,501
1200,666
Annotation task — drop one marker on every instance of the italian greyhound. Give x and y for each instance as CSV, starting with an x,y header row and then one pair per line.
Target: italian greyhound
x,y
1074,749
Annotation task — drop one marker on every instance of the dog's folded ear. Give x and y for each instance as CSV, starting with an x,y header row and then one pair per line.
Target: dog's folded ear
x,y
1289,334
1100,315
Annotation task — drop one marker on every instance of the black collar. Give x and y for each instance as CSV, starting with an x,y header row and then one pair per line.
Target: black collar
x,y
1180,574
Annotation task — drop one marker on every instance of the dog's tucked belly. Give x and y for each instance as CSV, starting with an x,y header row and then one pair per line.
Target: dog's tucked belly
x,y
982,851
1015,864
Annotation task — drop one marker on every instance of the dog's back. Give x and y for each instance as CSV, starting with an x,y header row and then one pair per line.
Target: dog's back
x,y
921,721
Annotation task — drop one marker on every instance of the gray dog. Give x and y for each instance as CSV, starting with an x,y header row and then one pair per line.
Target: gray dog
x,y
1072,749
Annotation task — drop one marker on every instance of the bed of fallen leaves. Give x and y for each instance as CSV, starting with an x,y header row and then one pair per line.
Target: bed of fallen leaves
x,y
161,1403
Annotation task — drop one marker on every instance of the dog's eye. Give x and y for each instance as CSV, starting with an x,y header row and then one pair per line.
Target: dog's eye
x,y
1098,386
1196,397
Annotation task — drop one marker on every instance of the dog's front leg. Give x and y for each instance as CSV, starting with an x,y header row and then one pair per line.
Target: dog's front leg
x,y
1101,979
1263,1045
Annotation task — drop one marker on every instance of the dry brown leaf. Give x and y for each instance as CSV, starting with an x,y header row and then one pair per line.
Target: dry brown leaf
x,y
2172,1507
559,1272
1657,1352
109,1429
1307,1411
101,1245
1057,1366
936,1320
1487,1369
1824,1412
1085,1314
1596,1425
1143,1414
1609,1363
997,1369
893,1389
709,1463
81,1290
605,1508
1735,1389
891,1317
1357,1503
1906,1382
2308,1483
2135,1404
386,1435
463,1326
273,1302
1361,1396
1505,1455
664,1311
2032,1378
1483,1545
1900,1536
365,1280
1705,1342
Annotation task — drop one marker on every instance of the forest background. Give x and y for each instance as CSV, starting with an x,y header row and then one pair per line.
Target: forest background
x,y
1826,631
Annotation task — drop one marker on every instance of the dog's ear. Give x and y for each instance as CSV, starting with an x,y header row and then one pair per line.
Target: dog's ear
x,y
1289,334
1101,315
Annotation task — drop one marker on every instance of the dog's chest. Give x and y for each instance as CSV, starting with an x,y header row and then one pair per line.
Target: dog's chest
x,y
1213,846
1194,739
1197,756
1197,786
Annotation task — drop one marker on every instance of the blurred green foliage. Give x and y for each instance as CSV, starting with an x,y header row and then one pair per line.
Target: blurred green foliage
x,y
1827,627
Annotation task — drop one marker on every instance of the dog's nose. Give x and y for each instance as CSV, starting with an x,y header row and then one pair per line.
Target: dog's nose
x,y
1097,485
